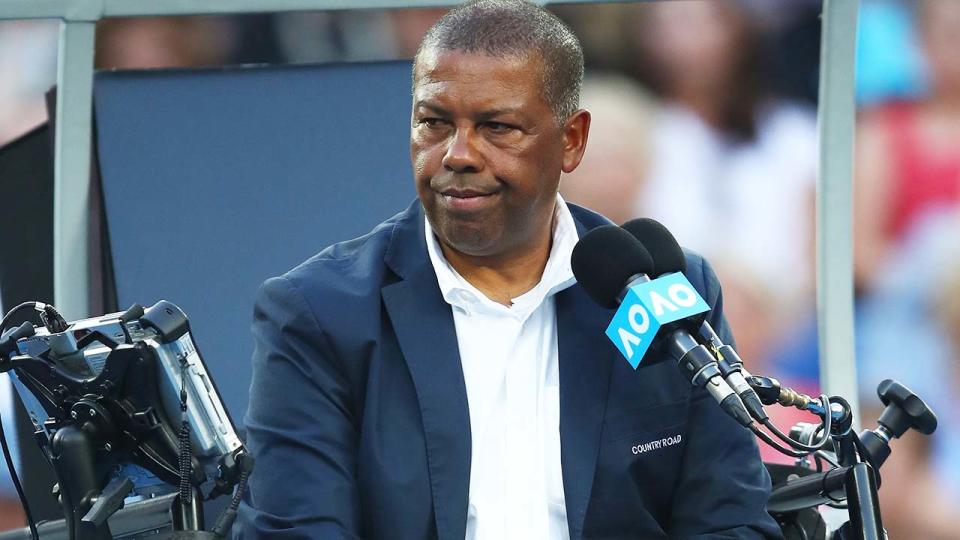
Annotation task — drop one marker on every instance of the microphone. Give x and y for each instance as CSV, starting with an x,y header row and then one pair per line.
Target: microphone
x,y
668,257
614,267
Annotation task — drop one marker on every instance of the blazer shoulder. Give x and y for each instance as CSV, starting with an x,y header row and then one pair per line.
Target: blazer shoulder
x,y
701,275
586,218
344,276
350,262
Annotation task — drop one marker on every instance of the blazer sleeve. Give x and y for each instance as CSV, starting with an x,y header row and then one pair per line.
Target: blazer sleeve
x,y
724,487
300,427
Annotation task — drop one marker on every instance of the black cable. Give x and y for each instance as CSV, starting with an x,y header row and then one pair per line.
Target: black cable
x,y
241,487
185,465
793,443
827,424
18,307
16,481
185,456
229,515
776,445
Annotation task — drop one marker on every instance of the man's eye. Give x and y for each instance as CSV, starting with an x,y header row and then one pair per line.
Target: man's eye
x,y
500,127
430,122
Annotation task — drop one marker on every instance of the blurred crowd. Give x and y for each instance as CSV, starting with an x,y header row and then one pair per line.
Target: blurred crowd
x,y
704,117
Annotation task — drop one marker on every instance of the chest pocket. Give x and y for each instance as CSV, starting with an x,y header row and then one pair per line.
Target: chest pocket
x,y
647,445
639,465
649,421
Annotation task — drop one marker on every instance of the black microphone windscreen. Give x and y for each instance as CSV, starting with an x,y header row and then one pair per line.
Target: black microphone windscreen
x,y
604,259
660,243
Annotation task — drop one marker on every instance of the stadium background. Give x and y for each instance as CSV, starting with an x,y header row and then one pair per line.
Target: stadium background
x,y
715,103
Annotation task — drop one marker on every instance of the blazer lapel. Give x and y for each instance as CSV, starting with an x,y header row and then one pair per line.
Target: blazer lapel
x,y
423,323
586,362
585,367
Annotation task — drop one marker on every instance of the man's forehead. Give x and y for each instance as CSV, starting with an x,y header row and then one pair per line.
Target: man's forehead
x,y
435,64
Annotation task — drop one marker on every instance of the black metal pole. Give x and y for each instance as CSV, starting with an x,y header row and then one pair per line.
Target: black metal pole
x,y
863,504
188,517
808,491
73,460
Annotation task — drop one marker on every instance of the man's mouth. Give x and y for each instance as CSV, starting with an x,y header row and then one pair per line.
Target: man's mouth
x,y
467,193
467,198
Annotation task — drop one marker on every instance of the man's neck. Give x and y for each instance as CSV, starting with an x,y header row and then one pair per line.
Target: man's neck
x,y
504,277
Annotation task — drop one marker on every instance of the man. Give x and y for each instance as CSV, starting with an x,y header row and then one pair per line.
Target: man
x,y
445,377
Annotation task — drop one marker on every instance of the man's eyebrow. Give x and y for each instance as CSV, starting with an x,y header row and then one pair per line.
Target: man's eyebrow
x,y
421,104
481,117
487,115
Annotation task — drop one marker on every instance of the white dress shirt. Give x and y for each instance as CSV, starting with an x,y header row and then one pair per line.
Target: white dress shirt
x,y
509,361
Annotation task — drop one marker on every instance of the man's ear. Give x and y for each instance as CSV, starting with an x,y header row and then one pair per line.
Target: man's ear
x,y
575,132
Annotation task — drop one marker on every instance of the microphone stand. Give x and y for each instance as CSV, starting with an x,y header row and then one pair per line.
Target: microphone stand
x,y
854,482
859,457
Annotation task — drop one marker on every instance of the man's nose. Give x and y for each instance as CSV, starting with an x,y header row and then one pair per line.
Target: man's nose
x,y
462,154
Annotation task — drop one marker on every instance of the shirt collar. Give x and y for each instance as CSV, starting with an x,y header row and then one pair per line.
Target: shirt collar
x,y
557,274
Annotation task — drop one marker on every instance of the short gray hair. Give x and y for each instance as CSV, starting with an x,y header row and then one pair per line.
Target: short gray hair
x,y
501,28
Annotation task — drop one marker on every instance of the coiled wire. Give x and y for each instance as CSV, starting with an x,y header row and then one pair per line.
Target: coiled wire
x,y
186,453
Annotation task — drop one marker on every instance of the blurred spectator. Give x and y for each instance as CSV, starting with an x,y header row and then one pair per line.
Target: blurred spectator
x,y
28,56
409,27
11,513
908,154
754,320
703,56
907,226
733,169
328,36
889,60
897,319
910,332
160,42
946,455
794,49
611,175
28,68
733,166
605,32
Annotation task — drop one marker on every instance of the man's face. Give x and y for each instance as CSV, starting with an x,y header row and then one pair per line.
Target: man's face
x,y
487,151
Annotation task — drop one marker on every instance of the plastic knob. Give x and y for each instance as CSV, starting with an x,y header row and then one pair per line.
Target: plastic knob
x,y
109,501
904,410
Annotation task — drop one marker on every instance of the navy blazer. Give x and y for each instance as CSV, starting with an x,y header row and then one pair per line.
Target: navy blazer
x,y
359,424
